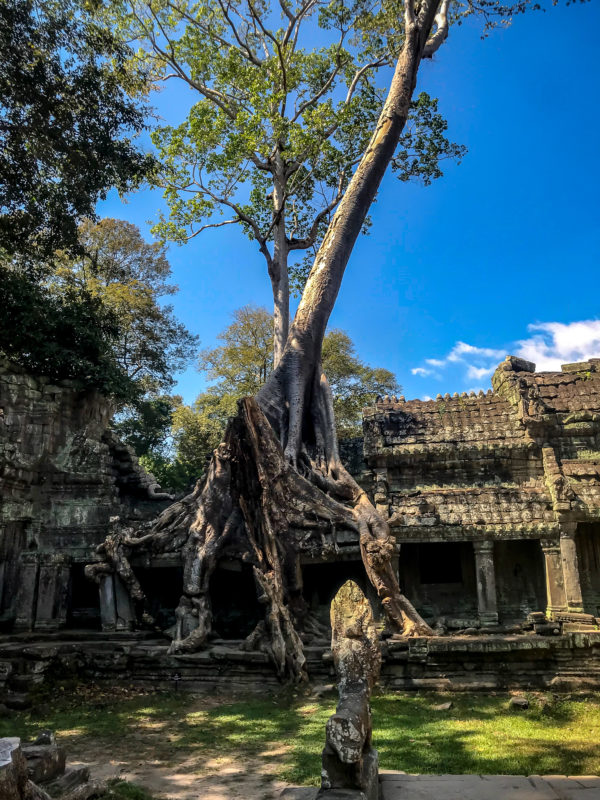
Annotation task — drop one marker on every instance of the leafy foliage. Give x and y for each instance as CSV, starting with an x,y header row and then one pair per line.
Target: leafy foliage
x,y
354,384
147,425
279,123
130,276
66,123
97,317
67,335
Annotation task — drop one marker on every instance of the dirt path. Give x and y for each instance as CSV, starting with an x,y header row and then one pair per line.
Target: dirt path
x,y
215,779
151,758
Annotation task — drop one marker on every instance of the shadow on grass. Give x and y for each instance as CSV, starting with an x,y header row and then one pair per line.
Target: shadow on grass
x,y
282,736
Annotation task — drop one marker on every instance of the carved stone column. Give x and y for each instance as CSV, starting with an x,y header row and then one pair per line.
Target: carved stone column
x,y
555,584
25,602
124,607
108,606
570,565
116,609
53,592
487,601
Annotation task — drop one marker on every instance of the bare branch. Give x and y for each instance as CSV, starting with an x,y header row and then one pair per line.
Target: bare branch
x,y
193,235
243,44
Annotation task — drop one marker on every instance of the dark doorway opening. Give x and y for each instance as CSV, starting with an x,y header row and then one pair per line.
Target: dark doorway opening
x,y
84,601
321,583
439,579
520,581
163,587
588,556
234,600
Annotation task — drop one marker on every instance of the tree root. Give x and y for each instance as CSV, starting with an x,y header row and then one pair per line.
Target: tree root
x,y
254,500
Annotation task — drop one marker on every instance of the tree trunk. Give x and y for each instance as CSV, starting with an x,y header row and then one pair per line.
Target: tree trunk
x,y
278,270
276,485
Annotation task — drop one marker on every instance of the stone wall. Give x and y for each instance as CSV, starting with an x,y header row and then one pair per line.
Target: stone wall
x,y
63,475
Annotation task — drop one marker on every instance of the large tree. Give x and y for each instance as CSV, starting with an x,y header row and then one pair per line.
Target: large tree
x,y
67,123
277,478
277,125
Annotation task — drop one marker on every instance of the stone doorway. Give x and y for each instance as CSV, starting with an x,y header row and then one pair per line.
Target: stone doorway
x,y
233,596
520,579
588,555
163,587
84,601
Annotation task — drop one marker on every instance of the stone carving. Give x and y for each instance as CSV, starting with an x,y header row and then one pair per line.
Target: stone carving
x,y
349,761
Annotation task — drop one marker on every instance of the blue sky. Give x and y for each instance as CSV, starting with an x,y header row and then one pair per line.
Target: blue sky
x,y
500,255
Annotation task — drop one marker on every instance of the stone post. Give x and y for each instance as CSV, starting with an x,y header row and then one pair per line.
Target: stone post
x,y
108,605
349,761
125,614
53,593
555,584
25,602
570,565
487,601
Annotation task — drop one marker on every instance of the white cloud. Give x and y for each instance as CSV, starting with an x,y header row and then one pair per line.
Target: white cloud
x,y
462,349
558,343
550,345
477,373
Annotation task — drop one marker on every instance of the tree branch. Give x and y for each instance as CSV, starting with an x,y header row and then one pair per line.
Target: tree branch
x,y
435,40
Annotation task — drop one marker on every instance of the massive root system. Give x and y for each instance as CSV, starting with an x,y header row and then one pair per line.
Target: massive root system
x,y
254,502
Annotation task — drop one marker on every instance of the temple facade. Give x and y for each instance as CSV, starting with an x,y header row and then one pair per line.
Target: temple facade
x,y
494,498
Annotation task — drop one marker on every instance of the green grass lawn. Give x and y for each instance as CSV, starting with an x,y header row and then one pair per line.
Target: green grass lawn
x,y
480,734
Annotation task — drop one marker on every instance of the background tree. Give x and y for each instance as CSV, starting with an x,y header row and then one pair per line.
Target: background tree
x,y
62,335
278,126
67,123
130,277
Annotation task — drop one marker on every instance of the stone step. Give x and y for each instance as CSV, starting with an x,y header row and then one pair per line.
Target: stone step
x,y
17,700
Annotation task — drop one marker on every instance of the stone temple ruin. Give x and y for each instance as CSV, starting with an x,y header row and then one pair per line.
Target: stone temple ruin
x,y
494,501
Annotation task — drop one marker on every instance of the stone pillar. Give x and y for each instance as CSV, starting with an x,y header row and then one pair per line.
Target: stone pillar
x,y
53,593
125,615
570,565
485,575
26,599
108,606
555,584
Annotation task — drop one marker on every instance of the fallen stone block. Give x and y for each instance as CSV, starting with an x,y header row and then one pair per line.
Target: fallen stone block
x,y
443,706
520,703
73,777
44,761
